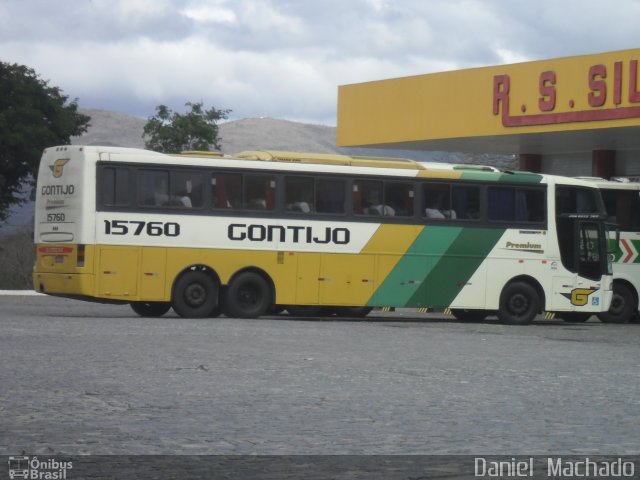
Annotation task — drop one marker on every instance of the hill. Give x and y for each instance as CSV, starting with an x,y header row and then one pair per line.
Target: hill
x,y
119,129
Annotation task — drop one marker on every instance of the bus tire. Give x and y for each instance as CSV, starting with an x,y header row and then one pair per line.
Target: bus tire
x,y
519,303
247,296
353,312
150,309
468,314
195,295
623,305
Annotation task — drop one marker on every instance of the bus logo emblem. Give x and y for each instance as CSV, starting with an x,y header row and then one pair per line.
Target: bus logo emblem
x,y
579,296
57,167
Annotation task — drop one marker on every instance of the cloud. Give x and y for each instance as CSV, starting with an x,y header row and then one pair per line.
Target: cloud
x,y
286,59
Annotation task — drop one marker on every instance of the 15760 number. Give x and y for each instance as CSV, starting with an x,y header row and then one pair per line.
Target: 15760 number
x,y
137,227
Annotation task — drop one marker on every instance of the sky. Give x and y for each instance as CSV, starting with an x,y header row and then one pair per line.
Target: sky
x,y
286,58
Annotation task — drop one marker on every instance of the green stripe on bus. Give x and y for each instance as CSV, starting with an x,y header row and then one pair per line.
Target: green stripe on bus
x,y
407,276
450,274
436,266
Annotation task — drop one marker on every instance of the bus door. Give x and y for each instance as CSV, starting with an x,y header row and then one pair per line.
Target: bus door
x,y
583,241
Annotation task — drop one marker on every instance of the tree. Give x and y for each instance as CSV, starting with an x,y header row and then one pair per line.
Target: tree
x,y
171,132
33,116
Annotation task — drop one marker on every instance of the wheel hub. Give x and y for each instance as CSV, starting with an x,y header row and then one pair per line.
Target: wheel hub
x,y
518,304
195,295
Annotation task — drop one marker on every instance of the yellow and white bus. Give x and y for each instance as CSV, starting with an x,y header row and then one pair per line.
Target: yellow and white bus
x,y
202,233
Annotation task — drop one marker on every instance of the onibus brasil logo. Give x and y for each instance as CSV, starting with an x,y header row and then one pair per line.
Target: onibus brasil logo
x,y
33,468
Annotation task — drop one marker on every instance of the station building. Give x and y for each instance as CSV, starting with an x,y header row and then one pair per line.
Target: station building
x,y
574,116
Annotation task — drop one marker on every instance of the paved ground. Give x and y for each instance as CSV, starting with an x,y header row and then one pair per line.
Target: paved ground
x,y
82,378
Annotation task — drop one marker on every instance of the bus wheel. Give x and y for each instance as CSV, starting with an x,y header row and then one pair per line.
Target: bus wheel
x,y
150,309
248,296
622,307
469,315
195,295
353,312
519,303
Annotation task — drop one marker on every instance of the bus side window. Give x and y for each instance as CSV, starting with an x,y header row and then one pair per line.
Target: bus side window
x,y
575,200
531,205
330,196
437,201
226,190
466,202
259,192
367,198
501,204
186,189
153,188
115,186
623,208
298,194
398,198
623,211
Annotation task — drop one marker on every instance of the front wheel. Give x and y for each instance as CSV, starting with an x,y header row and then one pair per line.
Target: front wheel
x,y
150,309
248,296
195,295
519,303
623,305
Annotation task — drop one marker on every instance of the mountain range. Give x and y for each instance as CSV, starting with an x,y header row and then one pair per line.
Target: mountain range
x,y
118,129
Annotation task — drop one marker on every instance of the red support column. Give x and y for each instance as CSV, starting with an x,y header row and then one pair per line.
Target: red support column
x,y
531,162
603,163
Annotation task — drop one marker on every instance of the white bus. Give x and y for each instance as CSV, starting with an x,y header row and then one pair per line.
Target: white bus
x,y
202,233
622,203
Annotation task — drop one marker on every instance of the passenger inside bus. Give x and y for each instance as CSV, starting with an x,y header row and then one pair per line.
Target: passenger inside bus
x,y
299,194
437,206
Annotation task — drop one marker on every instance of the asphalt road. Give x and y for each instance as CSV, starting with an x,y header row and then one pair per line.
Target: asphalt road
x,y
84,378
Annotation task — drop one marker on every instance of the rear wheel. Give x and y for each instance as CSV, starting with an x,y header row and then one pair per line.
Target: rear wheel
x,y
623,305
519,303
150,309
469,315
195,295
247,296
